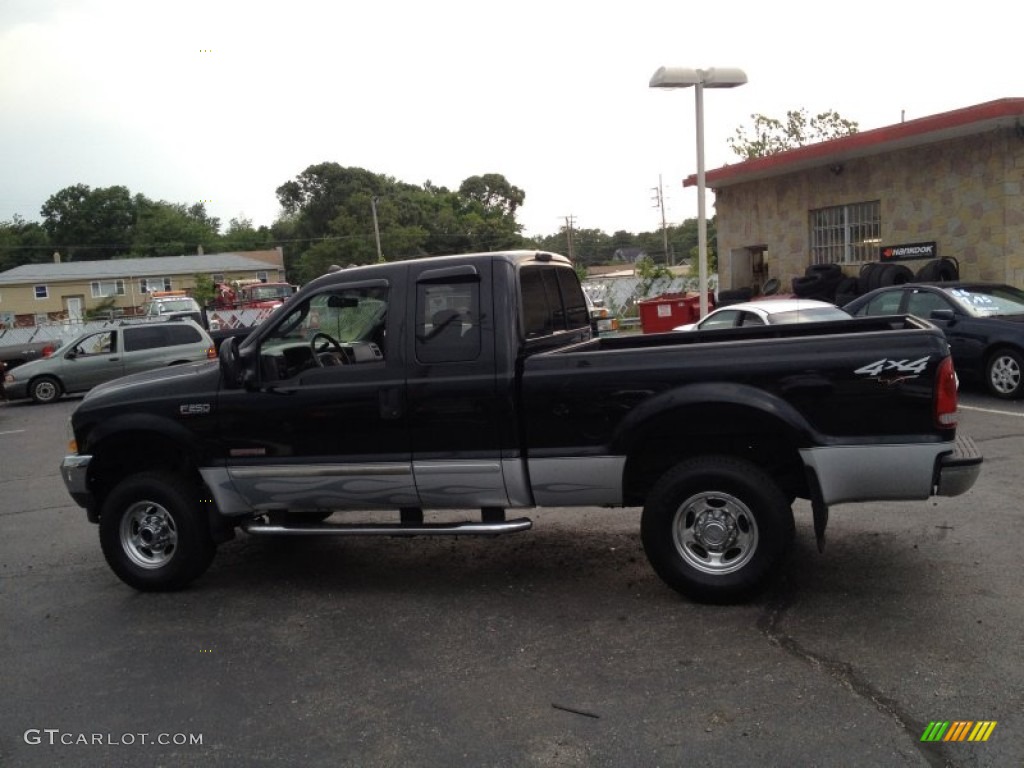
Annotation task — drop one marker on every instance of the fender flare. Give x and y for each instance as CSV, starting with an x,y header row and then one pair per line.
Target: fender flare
x,y
651,414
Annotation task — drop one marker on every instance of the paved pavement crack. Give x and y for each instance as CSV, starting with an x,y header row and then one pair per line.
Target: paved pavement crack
x,y
779,603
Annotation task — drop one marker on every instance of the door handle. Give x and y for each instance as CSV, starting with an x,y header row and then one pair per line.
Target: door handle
x,y
391,403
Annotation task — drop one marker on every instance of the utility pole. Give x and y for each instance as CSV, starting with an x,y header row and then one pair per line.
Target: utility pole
x,y
568,234
659,202
376,227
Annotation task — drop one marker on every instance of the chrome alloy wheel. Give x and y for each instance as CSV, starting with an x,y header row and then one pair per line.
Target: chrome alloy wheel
x,y
149,535
715,533
1004,374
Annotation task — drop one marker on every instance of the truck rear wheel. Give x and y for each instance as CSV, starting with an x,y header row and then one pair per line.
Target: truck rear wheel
x,y
714,528
154,534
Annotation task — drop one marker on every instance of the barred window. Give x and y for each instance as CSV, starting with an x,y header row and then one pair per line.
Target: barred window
x,y
104,288
846,234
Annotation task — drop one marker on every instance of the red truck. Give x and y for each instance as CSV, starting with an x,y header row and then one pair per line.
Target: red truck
x,y
252,295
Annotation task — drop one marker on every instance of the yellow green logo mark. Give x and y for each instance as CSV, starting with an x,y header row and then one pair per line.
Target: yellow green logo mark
x,y
958,730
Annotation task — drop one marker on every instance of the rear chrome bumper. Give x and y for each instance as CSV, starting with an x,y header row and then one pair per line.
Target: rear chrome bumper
x,y
956,472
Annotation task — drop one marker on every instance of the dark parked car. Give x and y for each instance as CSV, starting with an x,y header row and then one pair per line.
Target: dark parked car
x,y
984,323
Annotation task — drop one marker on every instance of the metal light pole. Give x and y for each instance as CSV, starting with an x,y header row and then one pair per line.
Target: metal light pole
x,y
683,77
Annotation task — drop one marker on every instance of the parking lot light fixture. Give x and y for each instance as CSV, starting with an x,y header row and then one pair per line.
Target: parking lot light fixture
x,y
684,77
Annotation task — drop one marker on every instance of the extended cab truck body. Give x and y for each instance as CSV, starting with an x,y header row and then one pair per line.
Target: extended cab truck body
x,y
472,382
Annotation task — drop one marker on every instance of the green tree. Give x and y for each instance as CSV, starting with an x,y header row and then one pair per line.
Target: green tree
x,y
329,218
769,136
242,236
23,242
84,223
494,193
172,229
204,290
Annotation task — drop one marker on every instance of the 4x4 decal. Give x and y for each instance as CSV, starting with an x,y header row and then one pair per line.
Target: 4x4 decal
x,y
885,365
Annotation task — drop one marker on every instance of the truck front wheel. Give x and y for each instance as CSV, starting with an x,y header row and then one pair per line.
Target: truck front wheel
x,y
714,528
154,534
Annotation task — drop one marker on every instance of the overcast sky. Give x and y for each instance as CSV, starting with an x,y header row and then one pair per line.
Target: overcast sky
x,y
222,102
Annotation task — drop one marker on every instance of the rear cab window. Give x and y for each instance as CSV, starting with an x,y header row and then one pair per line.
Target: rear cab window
x,y
552,301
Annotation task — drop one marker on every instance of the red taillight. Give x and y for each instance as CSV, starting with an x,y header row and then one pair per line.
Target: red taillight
x,y
48,350
211,353
945,394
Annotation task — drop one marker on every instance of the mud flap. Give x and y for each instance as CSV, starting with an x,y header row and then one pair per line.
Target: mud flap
x,y
819,509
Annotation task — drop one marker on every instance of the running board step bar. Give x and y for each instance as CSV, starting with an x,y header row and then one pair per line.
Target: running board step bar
x,y
259,528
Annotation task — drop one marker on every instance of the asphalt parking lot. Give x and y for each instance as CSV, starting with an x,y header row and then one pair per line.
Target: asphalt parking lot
x,y
556,647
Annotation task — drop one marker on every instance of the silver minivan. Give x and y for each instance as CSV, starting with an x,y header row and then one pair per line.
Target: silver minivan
x,y
101,356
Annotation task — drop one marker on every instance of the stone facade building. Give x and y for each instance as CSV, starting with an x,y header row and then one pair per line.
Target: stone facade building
x,y
948,185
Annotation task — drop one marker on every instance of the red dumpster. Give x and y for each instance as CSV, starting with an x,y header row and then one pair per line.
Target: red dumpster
x,y
665,312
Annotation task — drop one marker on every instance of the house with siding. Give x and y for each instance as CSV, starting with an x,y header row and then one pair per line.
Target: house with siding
x,y
59,291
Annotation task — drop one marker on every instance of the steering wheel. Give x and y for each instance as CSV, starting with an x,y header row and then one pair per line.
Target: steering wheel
x,y
321,353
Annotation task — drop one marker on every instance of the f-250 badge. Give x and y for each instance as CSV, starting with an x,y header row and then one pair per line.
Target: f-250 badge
x,y
892,371
194,409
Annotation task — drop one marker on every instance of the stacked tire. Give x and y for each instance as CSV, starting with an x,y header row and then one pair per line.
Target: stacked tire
x,y
946,270
819,281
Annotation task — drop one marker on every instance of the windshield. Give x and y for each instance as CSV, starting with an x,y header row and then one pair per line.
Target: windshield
x,y
989,300
271,292
171,305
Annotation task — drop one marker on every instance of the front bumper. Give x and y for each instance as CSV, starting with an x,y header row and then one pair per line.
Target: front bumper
x,y
956,472
74,471
15,390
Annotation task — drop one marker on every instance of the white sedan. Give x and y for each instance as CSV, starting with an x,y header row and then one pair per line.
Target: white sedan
x,y
767,312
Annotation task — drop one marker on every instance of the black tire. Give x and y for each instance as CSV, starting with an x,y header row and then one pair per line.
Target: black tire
x,y
733,296
1003,371
847,290
832,272
894,274
154,533
45,389
714,528
808,286
869,275
938,271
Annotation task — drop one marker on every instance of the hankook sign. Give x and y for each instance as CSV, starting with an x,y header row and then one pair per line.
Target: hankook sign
x,y
908,251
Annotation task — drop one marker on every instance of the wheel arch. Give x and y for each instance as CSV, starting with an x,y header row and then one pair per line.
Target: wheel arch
x,y
713,418
129,444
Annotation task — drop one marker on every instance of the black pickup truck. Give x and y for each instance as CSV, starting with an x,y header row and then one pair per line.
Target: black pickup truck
x,y
474,383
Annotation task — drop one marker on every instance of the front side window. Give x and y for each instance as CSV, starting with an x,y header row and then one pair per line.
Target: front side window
x,y
341,326
97,344
846,234
725,319
885,303
922,303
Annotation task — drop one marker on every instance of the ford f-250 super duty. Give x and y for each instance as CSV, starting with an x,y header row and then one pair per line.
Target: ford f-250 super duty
x,y
472,382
